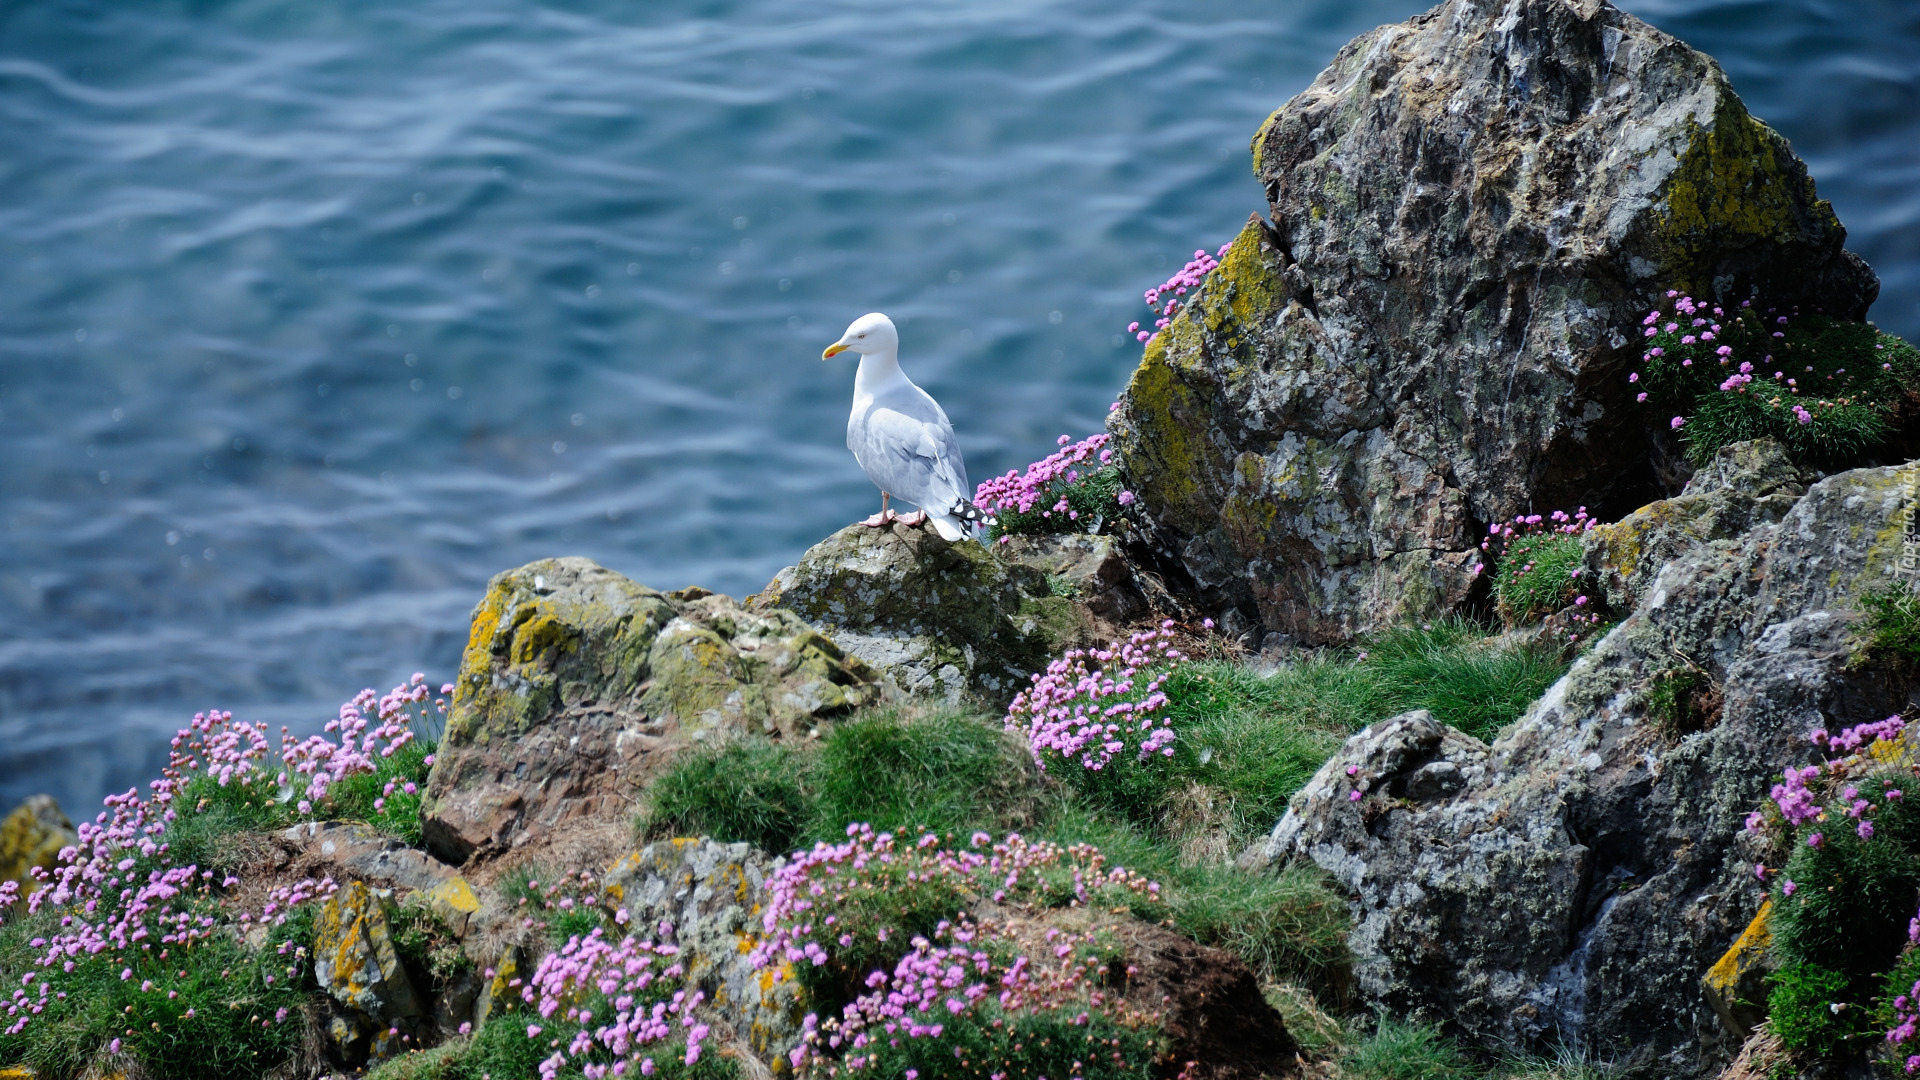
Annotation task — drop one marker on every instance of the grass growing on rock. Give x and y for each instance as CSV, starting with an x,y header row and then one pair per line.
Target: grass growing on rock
x,y
1892,626
752,790
1401,1050
941,768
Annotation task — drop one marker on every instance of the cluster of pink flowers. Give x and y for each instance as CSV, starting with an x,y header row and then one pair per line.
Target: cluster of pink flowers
x,y
1508,536
621,1010
1043,484
821,908
1853,738
1906,1024
948,977
1091,706
1502,533
829,877
1695,332
359,740
125,903
1189,277
1798,802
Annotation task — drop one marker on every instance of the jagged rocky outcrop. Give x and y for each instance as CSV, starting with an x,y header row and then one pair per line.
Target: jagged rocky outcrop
x,y
578,685
951,620
1468,214
1574,880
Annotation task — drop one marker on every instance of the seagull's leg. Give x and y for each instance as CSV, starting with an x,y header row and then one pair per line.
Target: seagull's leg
x,y
915,519
884,517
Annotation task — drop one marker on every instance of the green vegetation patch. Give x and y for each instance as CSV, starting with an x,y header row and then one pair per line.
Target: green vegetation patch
x,y
1831,392
1535,577
1401,1050
1892,627
214,1008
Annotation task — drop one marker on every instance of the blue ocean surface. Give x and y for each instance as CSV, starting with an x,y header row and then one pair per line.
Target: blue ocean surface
x,y
315,314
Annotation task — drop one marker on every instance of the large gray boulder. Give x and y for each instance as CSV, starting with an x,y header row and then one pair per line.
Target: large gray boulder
x,y
1469,213
579,685
1574,880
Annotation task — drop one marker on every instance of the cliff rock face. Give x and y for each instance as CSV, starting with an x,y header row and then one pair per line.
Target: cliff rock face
x,y
578,684
1469,213
1573,881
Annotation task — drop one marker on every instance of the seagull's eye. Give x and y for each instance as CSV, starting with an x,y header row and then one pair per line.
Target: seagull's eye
x,y
863,334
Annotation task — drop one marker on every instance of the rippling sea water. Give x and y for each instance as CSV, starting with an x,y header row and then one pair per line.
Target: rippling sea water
x,y
315,314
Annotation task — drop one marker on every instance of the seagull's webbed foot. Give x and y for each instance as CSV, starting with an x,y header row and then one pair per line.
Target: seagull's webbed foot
x,y
915,519
883,518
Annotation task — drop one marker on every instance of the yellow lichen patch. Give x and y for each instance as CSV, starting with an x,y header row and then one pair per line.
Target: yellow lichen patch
x,y
1163,408
1244,291
1733,183
454,901
1260,138
500,991
478,656
1889,539
354,957
1733,985
541,638
32,836
18,1072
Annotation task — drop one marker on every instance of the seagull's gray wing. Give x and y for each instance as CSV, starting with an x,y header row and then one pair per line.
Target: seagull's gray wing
x,y
906,446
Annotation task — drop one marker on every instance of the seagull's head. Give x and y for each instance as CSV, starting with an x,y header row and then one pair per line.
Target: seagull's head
x,y
869,334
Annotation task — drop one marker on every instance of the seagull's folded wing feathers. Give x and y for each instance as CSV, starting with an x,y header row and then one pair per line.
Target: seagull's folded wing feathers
x,y
916,458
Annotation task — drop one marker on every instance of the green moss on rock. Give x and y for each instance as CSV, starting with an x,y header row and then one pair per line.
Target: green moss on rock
x,y
1737,184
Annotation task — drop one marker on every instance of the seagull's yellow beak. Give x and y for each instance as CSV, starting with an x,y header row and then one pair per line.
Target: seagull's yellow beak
x,y
835,349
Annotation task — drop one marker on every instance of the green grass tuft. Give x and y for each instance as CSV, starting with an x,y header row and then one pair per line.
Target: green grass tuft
x,y
948,770
1289,926
1892,626
1401,1050
1454,669
1799,1008
751,790
945,770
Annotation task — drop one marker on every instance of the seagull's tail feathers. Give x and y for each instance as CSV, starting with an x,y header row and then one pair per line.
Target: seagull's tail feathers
x,y
958,522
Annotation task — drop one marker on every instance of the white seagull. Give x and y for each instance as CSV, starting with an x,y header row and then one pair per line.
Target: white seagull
x,y
901,437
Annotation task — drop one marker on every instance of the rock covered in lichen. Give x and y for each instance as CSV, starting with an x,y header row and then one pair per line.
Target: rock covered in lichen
x,y
1746,484
32,836
943,619
355,962
1470,212
707,899
578,684
1591,864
